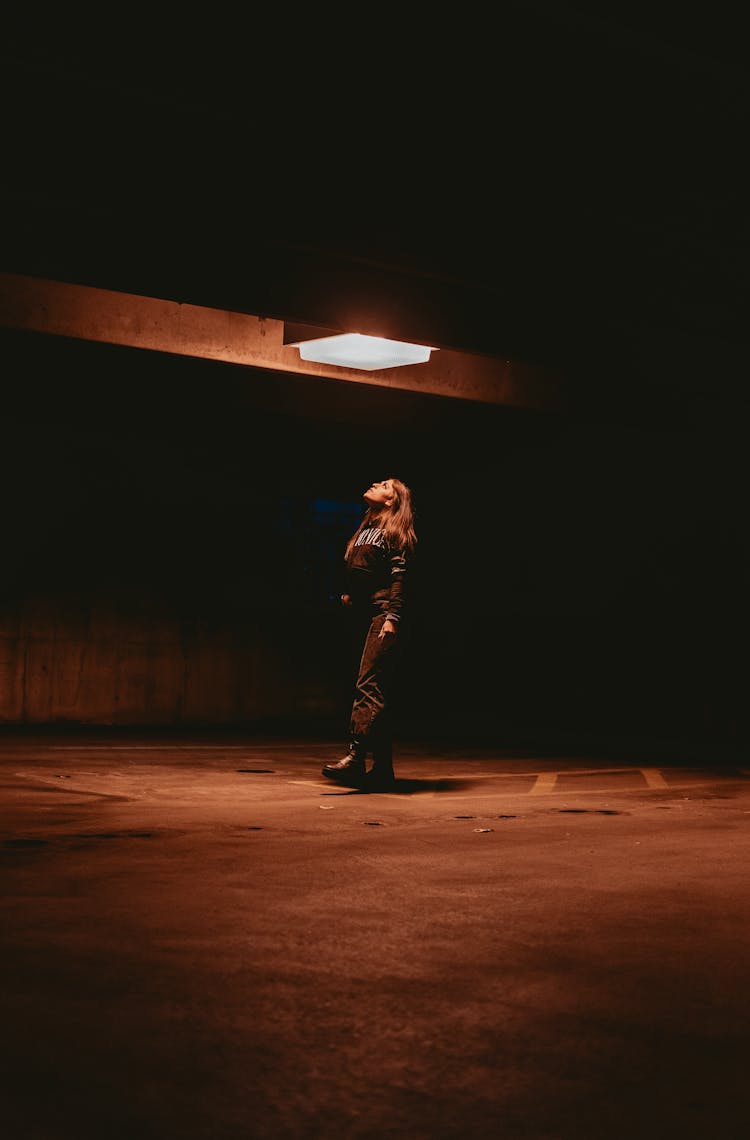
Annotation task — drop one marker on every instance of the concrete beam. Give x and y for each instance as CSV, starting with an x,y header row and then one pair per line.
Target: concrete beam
x,y
80,311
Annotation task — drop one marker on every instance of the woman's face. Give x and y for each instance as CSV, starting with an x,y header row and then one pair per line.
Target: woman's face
x,y
379,494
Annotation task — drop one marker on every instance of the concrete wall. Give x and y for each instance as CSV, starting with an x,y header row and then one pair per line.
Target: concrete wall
x,y
97,662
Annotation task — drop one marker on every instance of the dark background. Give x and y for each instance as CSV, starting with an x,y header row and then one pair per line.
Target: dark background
x,y
554,185
576,579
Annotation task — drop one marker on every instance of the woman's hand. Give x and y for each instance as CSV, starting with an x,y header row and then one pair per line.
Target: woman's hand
x,y
388,629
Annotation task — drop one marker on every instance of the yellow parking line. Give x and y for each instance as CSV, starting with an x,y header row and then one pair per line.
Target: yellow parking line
x,y
654,778
545,782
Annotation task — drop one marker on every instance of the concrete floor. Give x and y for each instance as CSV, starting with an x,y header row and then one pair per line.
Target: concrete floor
x,y
205,939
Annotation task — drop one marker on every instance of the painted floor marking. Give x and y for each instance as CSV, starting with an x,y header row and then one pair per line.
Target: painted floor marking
x,y
545,782
535,775
654,778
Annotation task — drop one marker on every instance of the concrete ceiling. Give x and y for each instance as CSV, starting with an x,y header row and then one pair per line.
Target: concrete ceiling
x,y
548,184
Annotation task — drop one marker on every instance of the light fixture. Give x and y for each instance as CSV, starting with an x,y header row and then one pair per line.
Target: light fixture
x,y
354,350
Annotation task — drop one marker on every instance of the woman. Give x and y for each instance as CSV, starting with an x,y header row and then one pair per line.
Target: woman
x,y
377,557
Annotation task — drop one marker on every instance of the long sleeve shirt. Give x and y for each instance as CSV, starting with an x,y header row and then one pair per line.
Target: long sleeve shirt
x,y
376,572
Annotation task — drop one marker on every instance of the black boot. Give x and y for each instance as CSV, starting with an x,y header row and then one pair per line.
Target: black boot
x,y
350,769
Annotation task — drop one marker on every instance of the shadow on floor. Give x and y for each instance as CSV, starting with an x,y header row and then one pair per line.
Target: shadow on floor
x,y
403,787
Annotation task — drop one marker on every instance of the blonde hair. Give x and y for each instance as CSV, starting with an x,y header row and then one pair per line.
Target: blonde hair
x,y
396,521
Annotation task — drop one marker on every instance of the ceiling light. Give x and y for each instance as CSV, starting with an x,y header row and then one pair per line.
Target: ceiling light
x,y
353,350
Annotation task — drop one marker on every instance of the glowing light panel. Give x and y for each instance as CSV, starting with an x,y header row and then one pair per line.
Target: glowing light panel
x,y
354,350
